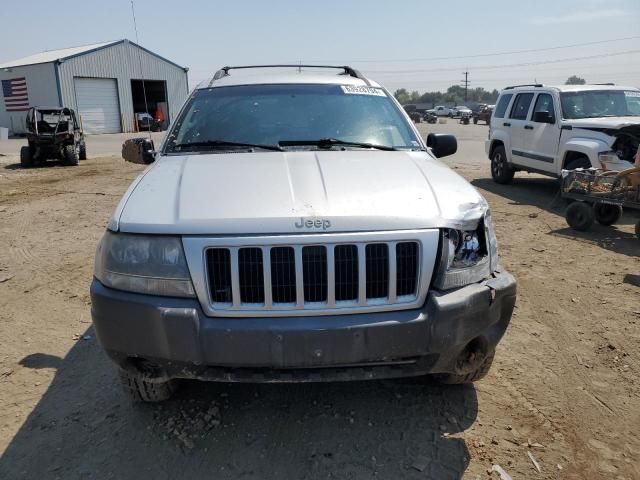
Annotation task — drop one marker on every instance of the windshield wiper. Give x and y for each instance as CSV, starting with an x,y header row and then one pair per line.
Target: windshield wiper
x,y
331,142
225,143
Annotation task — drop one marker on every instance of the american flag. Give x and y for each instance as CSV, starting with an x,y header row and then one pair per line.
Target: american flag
x,y
15,94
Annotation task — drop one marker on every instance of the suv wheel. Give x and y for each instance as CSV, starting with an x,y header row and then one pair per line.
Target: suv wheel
x,y
140,390
607,214
579,216
477,374
70,154
501,171
82,153
578,162
26,157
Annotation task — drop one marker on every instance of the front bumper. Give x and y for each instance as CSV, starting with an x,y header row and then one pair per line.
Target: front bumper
x,y
178,340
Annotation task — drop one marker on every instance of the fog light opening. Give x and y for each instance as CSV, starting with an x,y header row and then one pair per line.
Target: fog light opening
x,y
471,356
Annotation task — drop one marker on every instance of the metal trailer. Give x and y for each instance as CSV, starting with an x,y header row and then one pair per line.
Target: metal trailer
x,y
599,196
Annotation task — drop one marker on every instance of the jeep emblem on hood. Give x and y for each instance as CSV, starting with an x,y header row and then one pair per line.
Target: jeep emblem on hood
x,y
313,223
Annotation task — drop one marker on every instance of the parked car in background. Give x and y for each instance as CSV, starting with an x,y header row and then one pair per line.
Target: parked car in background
x,y
441,111
461,110
483,114
146,122
545,129
365,257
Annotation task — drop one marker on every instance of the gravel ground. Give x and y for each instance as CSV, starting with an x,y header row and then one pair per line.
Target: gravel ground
x,y
563,391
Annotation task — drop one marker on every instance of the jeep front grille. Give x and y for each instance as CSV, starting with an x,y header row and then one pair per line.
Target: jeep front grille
x,y
312,274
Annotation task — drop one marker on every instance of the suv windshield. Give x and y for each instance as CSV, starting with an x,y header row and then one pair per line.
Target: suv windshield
x,y
299,116
600,103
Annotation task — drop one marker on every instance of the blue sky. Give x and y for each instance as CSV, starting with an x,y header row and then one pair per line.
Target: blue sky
x,y
394,42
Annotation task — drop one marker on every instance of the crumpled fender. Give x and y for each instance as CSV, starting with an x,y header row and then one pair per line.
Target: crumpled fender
x,y
590,147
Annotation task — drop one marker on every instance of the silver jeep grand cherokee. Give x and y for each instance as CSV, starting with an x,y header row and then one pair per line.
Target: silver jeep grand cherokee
x,y
293,227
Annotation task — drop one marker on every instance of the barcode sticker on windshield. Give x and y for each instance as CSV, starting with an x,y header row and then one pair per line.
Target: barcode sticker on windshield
x,y
362,90
631,93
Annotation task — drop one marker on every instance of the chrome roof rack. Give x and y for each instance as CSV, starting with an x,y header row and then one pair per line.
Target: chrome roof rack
x,y
347,70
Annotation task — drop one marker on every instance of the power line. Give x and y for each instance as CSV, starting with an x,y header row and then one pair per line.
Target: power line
x,y
466,84
493,54
492,67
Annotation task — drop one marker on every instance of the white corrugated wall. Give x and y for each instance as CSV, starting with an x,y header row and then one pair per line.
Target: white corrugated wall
x,y
41,90
122,62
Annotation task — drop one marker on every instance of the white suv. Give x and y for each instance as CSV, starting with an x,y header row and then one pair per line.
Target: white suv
x,y
543,129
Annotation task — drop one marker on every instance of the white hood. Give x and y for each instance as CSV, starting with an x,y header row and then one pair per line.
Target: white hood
x,y
604,122
268,192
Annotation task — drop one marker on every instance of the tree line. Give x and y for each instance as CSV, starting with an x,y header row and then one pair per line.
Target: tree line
x,y
455,95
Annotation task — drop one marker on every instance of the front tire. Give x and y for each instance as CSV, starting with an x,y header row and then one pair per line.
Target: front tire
x,y
501,171
70,155
82,154
26,157
478,374
140,390
580,216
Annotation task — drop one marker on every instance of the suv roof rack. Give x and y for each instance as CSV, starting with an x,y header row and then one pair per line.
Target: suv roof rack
x,y
525,85
609,84
224,71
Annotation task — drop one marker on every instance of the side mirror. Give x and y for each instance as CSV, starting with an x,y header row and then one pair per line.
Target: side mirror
x,y
138,150
442,144
543,117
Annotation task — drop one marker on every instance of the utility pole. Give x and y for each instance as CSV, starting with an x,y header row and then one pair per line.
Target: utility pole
x,y
466,85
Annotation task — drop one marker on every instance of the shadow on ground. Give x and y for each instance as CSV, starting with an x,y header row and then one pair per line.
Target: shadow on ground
x,y
544,194
84,427
46,164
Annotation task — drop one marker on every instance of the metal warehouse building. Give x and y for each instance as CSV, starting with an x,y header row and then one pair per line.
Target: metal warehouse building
x,y
102,82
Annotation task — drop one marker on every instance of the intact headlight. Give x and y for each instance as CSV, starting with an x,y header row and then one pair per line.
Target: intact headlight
x,y
149,264
467,256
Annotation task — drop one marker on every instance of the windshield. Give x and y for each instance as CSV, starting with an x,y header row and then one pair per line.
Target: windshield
x,y
600,103
266,115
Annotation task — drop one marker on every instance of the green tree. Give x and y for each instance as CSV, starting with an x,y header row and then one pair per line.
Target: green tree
x,y
402,96
575,80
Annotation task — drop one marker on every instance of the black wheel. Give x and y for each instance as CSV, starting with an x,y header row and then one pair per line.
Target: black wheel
x,y
580,216
475,120
477,374
638,229
70,154
82,152
607,214
26,157
140,390
501,171
578,162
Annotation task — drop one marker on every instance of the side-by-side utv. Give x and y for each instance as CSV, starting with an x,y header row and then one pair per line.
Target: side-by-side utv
x,y
53,133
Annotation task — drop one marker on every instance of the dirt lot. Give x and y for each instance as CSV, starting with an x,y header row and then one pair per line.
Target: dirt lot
x,y
564,387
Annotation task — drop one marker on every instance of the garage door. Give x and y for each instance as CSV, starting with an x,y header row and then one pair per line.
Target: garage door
x,y
97,100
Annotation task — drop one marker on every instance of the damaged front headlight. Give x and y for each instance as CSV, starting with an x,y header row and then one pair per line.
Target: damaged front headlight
x,y
149,264
467,256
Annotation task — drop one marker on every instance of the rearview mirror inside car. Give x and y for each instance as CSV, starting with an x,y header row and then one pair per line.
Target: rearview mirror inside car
x,y
543,117
138,150
442,144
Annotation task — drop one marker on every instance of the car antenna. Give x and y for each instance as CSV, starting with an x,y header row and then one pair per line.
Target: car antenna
x,y
144,89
